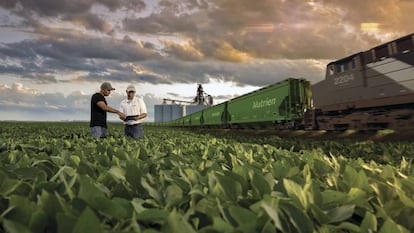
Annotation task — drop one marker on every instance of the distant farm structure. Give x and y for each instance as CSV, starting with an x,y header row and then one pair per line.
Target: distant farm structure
x,y
172,109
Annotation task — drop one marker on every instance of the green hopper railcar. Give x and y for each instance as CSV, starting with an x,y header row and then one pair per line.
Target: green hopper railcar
x,y
186,120
215,115
196,118
178,122
281,105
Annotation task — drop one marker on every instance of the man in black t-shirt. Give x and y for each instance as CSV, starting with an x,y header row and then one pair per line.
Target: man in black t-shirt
x,y
99,108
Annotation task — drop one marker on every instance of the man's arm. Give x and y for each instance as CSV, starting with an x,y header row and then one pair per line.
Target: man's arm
x,y
121,109
107,108
136,117
141,116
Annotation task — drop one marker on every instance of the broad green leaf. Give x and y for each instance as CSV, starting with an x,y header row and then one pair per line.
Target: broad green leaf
x,y
30,173
230,188
173,195
274,215
117,173
186,176
68,185
87,222
122,155
222,226
387,172
22,211
64,170
8,185
75,160
122,190
391,226
408,201
65,222
133,176
192,175
350,176
57,160
117,207
296,193
362,182
283,170
176,223
154,193
408,183
384,192
319,215
260,185
213,141
207,206
137,204
341,213
239,178
67,143
332,197
245,219
86,168
354,179
348,227
38,221
15,227
359,198
152,216
88,191
321,167
268,228
369,223
299,219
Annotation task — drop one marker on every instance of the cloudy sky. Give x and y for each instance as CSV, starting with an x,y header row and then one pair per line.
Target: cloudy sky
x,y
54,54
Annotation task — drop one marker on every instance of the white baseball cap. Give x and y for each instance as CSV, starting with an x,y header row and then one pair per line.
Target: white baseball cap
x,y
130,88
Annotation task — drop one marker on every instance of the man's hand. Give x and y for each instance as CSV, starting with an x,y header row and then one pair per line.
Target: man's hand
x,y
121,115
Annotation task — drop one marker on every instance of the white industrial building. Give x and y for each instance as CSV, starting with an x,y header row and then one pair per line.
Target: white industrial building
x,y
172,109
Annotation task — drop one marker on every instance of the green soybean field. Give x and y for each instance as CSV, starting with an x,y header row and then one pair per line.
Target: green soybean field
x,y
54,177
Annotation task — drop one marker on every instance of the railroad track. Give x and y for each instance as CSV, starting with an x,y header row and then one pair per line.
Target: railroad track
x,y
379,135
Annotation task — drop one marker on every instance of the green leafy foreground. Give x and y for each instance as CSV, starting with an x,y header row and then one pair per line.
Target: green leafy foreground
x,y
55,178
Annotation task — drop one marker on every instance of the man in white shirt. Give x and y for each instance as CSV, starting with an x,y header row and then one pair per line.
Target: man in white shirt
x,y
135,110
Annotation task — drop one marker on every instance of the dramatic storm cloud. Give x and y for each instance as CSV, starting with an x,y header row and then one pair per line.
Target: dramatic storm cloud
x,y
54,54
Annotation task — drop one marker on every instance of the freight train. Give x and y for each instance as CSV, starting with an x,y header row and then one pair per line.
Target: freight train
x,y
369,90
